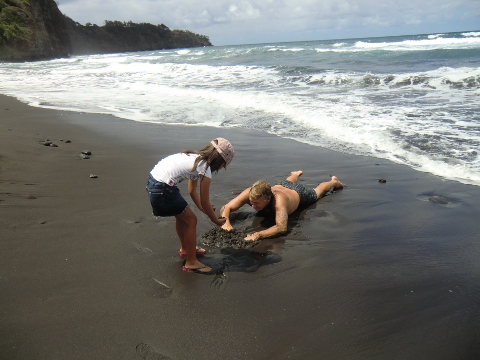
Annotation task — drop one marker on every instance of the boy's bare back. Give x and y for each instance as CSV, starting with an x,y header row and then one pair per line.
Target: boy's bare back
x,y
290,198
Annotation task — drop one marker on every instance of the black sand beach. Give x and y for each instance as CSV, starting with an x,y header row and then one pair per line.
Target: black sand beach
x,y
374,271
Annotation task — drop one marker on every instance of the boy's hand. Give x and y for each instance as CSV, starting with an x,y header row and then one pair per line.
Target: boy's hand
x,y
227,227
252,237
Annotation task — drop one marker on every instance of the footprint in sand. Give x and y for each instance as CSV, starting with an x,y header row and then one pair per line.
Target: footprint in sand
x,y
142,249
161,289
438,199
135,221
148,353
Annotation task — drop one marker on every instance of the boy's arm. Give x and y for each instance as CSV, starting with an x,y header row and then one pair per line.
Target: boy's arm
x,y
281,220
233,205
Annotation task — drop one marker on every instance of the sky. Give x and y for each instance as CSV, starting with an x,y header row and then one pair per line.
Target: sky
x,y
230,22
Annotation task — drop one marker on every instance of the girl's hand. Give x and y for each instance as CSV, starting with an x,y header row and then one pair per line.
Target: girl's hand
x,y
220,222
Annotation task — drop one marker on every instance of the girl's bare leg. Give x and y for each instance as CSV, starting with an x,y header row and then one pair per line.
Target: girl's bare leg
x,y
322,188
181,236
180,232
294,175
186,226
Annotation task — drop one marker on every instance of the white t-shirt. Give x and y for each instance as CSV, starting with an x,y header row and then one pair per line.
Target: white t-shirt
x,y
177,167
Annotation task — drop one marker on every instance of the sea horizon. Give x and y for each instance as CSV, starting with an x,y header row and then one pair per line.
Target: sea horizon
x,y
353,38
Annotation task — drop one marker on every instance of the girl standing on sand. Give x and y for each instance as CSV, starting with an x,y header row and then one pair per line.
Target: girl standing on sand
x,y
166,199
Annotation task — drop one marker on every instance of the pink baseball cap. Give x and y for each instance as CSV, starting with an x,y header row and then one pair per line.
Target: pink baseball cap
x,y
225,149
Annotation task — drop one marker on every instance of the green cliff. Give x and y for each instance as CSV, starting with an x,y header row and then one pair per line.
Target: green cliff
x,y
37,30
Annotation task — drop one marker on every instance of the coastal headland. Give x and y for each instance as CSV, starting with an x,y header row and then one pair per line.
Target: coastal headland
x,y
37,30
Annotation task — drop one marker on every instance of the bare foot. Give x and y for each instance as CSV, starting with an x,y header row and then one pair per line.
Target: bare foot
x,y
337,183
294,175
197,266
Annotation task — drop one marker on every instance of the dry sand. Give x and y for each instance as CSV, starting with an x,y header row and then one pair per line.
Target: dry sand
x,y
375,271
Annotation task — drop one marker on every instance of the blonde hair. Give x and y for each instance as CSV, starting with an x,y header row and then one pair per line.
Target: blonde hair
x,y
260,189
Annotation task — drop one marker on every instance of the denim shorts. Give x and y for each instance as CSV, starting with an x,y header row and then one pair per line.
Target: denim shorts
x,y
166,200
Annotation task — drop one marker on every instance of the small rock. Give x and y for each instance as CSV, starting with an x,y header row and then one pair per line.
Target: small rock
x,y
67,141
83,156
86,152
47,143
53,145
383,181
92,176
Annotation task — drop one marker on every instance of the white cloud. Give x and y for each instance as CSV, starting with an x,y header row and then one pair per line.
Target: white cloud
x,y
242,12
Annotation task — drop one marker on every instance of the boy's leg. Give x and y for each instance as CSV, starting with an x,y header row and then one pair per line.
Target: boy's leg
x,y
322,188
294,175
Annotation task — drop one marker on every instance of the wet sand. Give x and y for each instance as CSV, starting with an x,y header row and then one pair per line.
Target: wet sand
x,y
374,271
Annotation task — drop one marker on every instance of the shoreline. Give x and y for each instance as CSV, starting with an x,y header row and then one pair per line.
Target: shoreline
x,y
373,271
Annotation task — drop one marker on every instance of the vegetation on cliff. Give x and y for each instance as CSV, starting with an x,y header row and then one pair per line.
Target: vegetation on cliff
x,y
14,22
36,30
116,36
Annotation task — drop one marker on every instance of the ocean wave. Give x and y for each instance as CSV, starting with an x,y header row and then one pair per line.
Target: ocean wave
x,y
443,78
422,116
421,45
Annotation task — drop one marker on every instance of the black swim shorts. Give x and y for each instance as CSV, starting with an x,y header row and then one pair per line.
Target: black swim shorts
x,y
308,196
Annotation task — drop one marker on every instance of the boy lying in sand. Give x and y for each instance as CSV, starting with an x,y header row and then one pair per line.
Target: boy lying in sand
x,y
283,198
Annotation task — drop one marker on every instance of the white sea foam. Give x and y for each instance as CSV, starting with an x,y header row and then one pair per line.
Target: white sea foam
x,y
437,41
425,119
420,45
474,33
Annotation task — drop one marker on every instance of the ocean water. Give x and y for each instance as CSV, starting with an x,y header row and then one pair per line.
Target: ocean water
x,y
413,99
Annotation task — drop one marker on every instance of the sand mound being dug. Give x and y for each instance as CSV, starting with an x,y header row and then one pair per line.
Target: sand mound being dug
x,y
219,238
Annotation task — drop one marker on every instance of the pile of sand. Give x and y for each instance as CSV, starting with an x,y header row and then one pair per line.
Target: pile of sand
x,y
219,238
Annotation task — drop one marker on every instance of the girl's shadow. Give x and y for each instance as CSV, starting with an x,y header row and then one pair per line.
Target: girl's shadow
x,y
240,260
229,252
